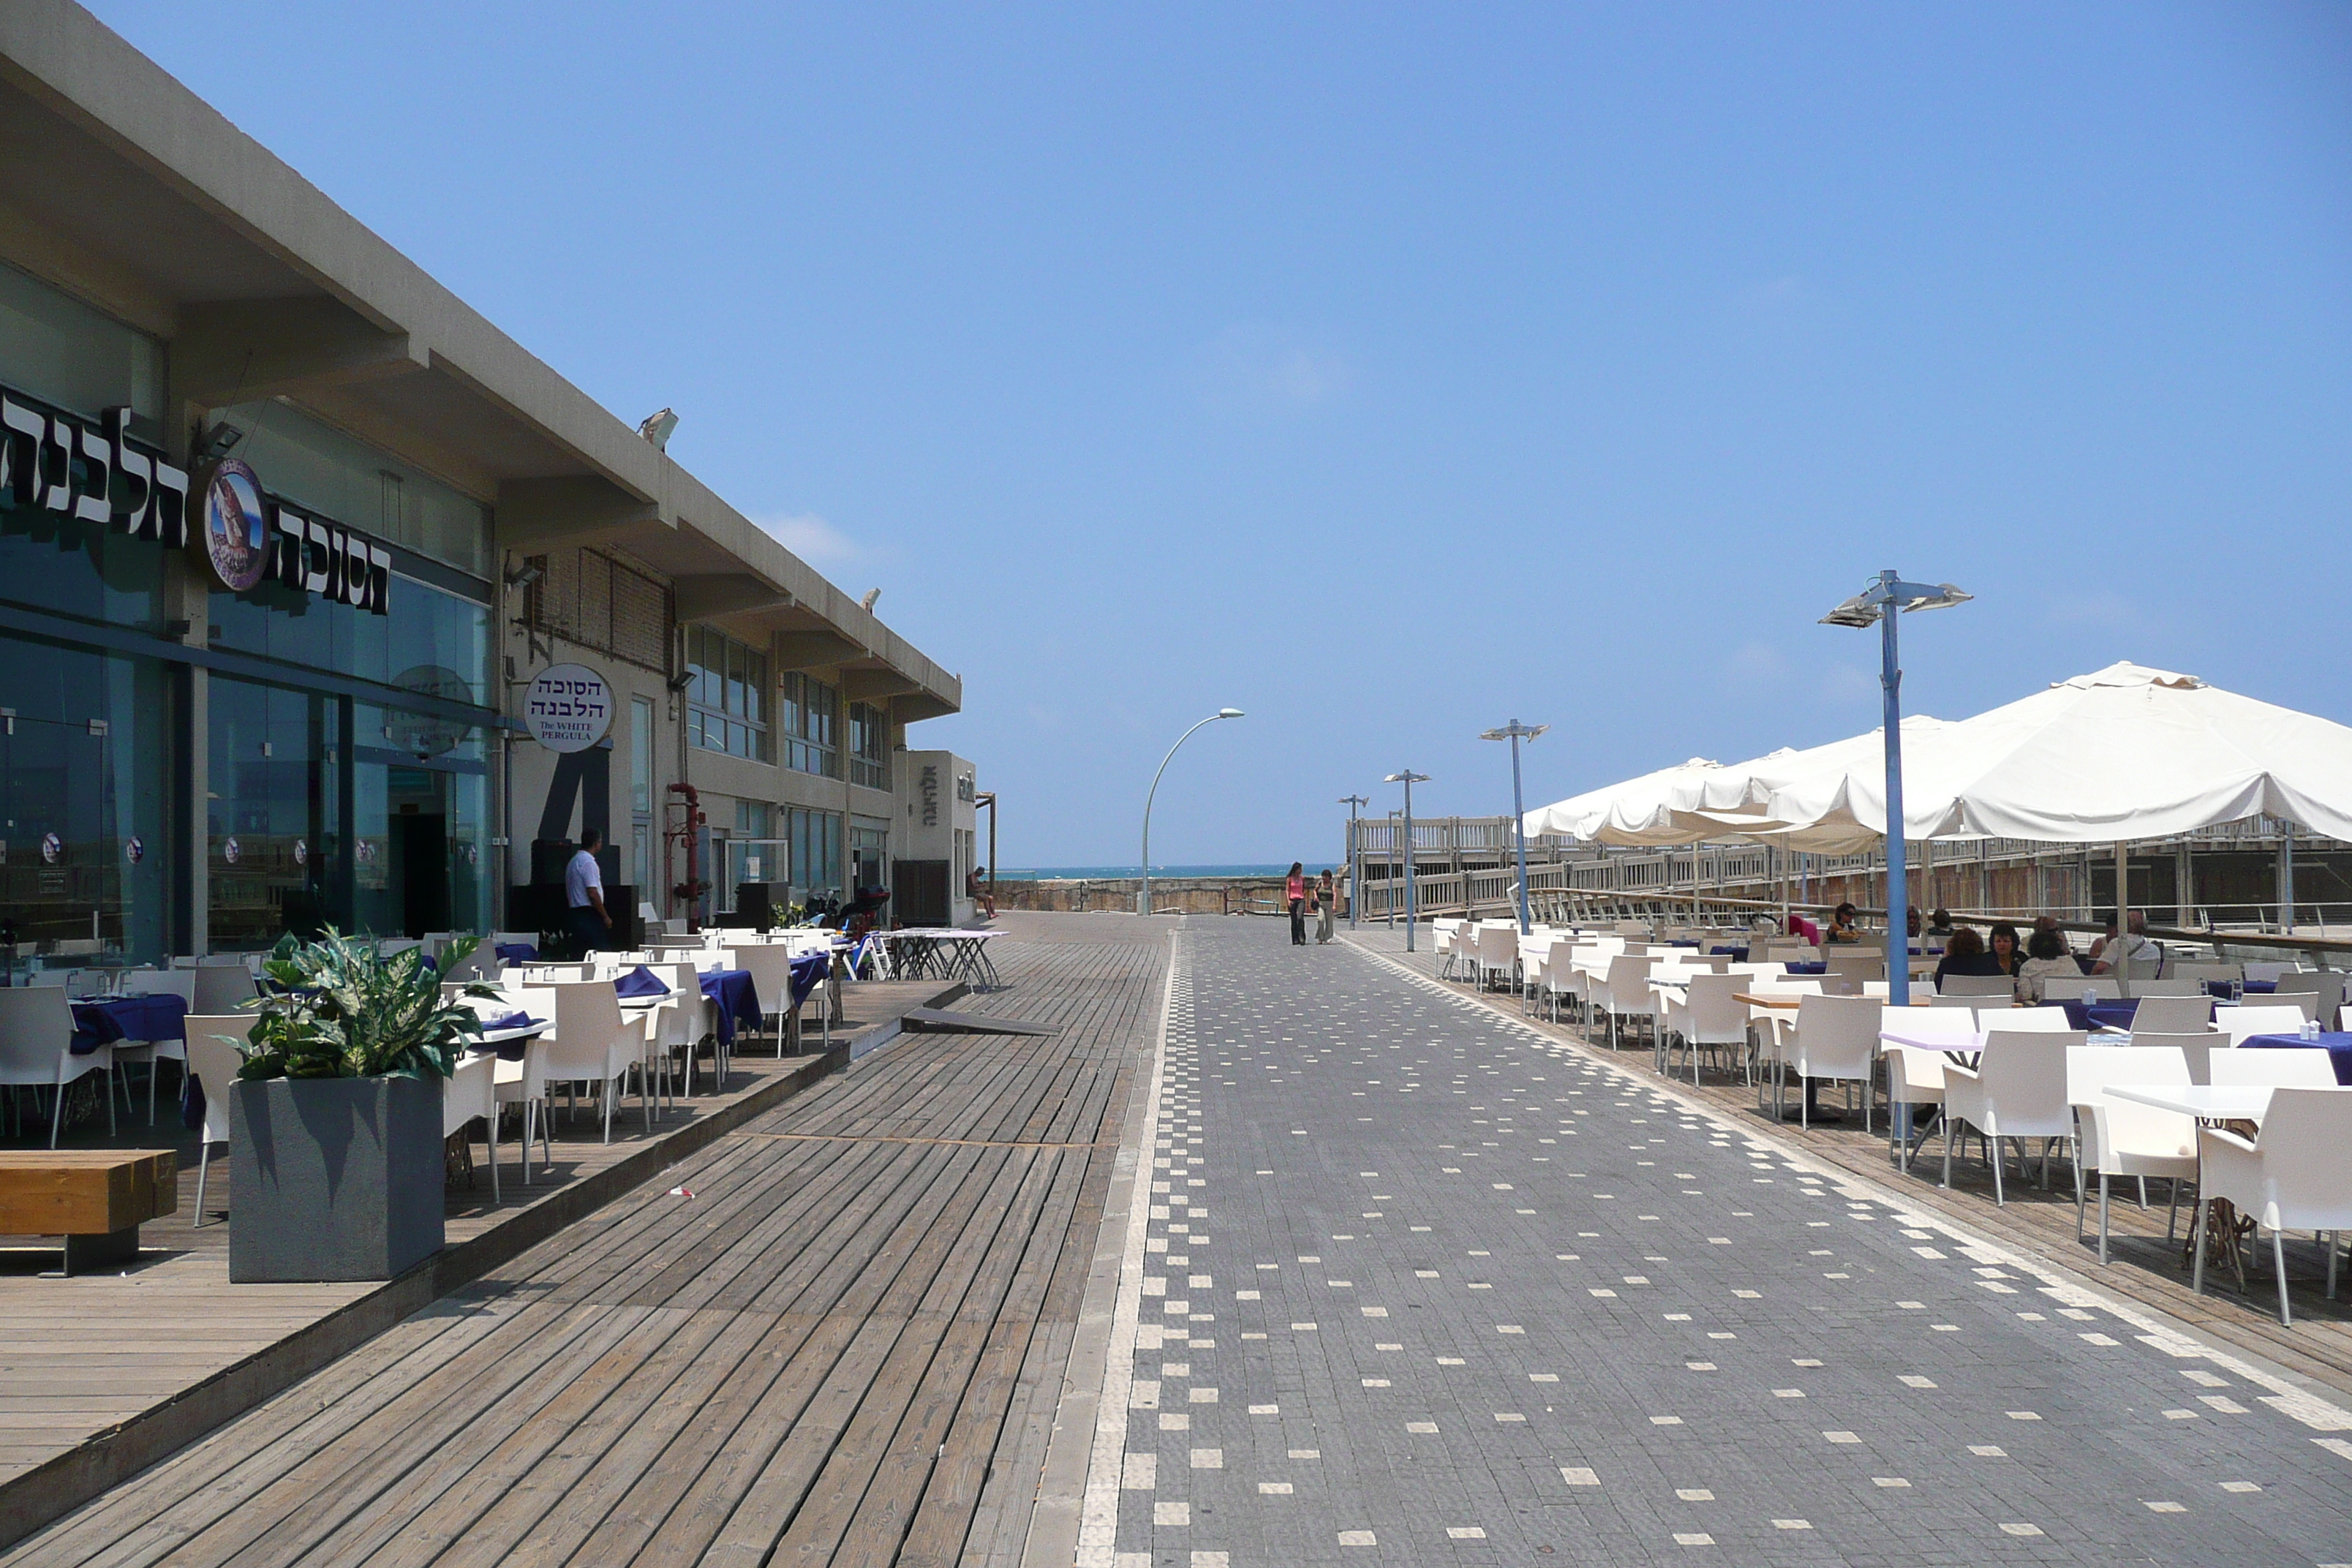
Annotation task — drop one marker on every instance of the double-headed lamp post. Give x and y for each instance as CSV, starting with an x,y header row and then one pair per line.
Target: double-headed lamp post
x,y
1143,899
1408,778
1514,732
1882,604
1355,881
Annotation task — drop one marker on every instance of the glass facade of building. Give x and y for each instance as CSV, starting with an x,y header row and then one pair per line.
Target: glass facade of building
x,y
159,798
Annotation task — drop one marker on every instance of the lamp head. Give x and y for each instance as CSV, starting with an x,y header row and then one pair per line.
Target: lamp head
x,y
1229,713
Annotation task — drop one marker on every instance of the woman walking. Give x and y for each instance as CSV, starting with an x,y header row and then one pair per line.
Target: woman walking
x,y
1327,901
1295,890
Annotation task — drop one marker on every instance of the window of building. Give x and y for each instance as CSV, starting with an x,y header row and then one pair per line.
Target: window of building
x,y
870,746
810,743
727,706
869,851
641,756
816,840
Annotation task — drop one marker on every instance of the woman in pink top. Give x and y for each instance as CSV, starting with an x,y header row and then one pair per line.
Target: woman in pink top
x,y
1295,890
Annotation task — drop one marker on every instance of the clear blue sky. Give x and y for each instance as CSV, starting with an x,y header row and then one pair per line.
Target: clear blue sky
x,y
1391,374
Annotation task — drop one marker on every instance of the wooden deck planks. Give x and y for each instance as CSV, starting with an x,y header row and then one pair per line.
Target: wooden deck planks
x,y
813,1359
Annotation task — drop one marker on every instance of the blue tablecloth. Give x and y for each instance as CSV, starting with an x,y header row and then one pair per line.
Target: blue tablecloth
x,y
2224,990
640,982
2337,1046
1737,955
2098,1015
509,1050
517,952
1820,968
736,1000
112,1019
809,971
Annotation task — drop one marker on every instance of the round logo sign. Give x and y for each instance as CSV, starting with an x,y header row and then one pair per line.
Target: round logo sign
x,y
51,847
134,850
301,852
568,708
231,525
230,852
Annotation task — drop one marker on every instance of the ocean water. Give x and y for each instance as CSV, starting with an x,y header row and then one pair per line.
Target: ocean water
x,y
1098,873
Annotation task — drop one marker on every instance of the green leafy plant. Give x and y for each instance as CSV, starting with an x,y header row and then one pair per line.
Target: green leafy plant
x,y
336,1009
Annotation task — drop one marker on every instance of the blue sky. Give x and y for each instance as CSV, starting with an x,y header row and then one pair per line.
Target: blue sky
x,y
1391,374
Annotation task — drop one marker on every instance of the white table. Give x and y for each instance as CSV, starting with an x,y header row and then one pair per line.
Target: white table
x,y
2205,1102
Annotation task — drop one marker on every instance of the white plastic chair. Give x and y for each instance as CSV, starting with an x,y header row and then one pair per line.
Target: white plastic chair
x,y
1623,991
222,985
1915,1076
2066,988
2196,1049
36,1027
2173,1015
1498,954
469,1094
2001,985
1705,1014
1834,1039
2017,1090
2296,1175
213,1061
592,1043
2124,1137
2241,1021
2327,984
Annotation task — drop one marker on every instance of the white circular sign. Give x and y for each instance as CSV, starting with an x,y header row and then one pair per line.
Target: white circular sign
x,y
569,708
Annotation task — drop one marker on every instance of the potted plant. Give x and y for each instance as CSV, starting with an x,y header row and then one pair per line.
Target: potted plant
x,y
335,1145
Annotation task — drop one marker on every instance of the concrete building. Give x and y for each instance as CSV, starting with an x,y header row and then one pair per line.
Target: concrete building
x,y
289,535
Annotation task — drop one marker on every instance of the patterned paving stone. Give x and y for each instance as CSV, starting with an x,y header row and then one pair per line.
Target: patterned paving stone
x,y
1438,1287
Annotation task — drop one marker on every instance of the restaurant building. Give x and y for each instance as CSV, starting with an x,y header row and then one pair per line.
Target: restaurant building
x,y
322,601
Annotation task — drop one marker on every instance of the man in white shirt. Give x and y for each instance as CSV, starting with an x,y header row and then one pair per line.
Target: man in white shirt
x,y
584,895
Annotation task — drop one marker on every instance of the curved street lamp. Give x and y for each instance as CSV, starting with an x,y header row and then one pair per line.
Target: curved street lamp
x,y
1143,898
1881,604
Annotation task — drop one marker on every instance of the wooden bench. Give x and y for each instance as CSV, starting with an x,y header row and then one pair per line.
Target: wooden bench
x,y
95,1199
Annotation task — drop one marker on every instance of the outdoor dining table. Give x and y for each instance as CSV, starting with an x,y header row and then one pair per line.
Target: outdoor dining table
x,y
110,1020
509,1034
2337,1046
2093,1016
2205,1102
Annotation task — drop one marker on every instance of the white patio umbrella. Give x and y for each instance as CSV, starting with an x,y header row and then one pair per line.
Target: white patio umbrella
x,y
2125,753
1613,813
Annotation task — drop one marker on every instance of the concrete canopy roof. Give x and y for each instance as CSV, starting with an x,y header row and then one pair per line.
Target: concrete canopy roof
x,y
123,186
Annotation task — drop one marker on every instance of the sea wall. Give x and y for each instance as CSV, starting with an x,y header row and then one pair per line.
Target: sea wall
x,y
1178,895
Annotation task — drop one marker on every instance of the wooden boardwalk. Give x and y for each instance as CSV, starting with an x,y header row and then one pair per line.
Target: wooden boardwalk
x,y
844,1346
2144,1269
85,1359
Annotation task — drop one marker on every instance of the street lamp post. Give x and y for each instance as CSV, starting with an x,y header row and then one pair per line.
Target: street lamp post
x,y
1514,732
1143,898
1882,604
1355,861
1408,778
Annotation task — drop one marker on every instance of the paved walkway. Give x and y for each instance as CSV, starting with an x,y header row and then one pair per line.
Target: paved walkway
x,y
1419,1284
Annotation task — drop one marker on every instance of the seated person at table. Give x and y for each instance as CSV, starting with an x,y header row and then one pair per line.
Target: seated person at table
x,y
2046,954
1939,924
1966,954
1842,926
2006,949
2136,953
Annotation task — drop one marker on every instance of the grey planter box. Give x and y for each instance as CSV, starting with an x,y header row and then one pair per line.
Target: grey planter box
x,y
333,1178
